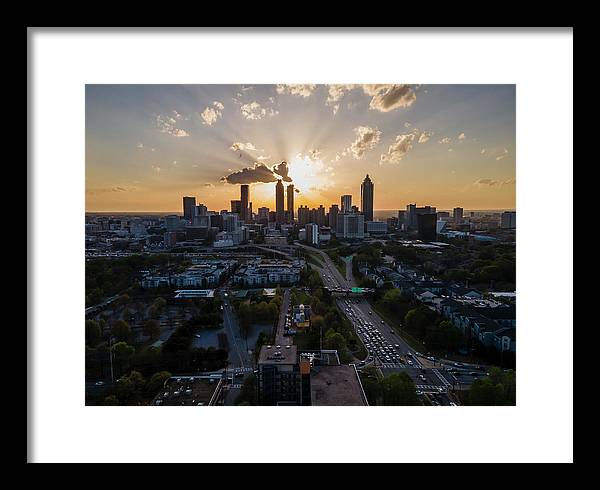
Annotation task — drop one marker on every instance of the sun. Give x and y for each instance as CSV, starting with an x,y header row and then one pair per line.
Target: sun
x,y
310,175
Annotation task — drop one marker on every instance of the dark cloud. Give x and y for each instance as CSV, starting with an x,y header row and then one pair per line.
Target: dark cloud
x,y
259,173
282,170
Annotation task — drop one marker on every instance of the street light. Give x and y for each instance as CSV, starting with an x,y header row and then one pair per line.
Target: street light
x,y
110,352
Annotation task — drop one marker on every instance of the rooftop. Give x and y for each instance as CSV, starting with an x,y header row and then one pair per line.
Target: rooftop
x,y
336,386
278,354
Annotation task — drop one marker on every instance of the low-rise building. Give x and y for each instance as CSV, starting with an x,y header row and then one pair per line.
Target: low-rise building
x,y
269,272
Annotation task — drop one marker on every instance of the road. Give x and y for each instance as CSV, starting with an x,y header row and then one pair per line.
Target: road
x,y
238,353
387,350
281,339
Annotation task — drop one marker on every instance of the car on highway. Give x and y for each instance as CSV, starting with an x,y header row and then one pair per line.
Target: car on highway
x,y
458,364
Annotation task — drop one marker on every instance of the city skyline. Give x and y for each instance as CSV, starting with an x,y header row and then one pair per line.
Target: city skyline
x,y
445,145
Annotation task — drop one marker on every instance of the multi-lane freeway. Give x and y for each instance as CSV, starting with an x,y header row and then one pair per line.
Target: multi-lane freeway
x,y
386,349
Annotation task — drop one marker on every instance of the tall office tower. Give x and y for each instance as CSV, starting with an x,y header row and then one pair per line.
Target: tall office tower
x,y
290,202
236,207
244,199
411,216
333,214
172,222
346,203
279,206
401,220
458,215
350,225
200,210
303,215
189,203
320,216
366,198
412,211
312,233
508,220
427,226
263,215
250,213
231,223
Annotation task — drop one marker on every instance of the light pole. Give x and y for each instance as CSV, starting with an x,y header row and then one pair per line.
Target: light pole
x,y
110,352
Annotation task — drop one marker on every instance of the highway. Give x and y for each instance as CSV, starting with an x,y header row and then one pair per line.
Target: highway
x,y
238,354
387,350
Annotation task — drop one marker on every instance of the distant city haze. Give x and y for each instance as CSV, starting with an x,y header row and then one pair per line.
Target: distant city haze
x,y
438,145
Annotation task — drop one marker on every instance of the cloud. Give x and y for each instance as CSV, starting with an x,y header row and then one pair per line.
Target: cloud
x,y
425,136
243,147
461,136
168,125
483,150
450,149
335,93
400,147
140,146
104,190
259,173
282,170
504,154
208,185
366,139
263,157
211,114
494,183
298,90
314,154
156,168
445,140
386,98
255,111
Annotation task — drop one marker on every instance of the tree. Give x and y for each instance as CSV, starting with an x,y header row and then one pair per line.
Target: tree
x,y
93,332
123,353
335,340
157,381
121,331
130,387
498,388
152,329
398,389
110,400
417,320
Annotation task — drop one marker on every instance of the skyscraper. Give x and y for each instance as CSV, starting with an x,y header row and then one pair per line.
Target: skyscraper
x,y
189,205
346,203
303,215
236,207
333,214
290,202
366,198
427,226
508,220
244,199
458,215
279,206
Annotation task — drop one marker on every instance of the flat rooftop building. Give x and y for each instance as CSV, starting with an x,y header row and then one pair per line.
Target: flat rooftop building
x,y
336,386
